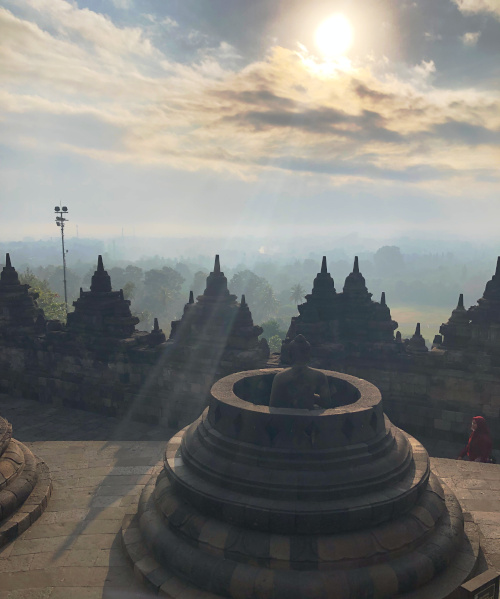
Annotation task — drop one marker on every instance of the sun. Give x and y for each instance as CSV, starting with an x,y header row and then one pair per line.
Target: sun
x,y
334,36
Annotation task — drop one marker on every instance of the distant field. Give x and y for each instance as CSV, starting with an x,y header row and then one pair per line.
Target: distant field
x,y
429,317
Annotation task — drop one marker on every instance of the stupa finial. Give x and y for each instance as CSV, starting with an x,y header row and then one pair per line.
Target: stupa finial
x,y
243,300
7,261
497,271
191,297
356,265
417,329
101,281
460,301
323,265
156,326
217,263
382,299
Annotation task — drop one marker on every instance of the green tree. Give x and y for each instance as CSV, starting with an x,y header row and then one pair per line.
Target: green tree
x,y
258,293
146,319
47,300
297,293
161,294
129,290
272,328
199,283
389,260
167,277
274,343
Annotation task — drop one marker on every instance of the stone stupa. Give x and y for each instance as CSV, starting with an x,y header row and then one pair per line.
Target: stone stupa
x,y
457,331
101,313
25,485
485,317
264,502
217,329
19,313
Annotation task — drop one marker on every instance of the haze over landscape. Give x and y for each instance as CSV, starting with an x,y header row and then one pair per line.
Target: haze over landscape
x,y
249,299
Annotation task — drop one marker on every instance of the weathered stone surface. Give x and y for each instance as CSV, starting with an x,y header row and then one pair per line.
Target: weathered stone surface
x,y
89,369
277,502
25,486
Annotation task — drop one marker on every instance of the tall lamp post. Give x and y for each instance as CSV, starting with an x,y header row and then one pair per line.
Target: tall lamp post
x,y
60,220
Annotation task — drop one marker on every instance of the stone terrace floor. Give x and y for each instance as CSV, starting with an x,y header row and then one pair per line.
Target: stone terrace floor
x,y
99,467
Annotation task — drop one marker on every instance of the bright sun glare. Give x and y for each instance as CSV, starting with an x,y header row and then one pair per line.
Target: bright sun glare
x,y
334,36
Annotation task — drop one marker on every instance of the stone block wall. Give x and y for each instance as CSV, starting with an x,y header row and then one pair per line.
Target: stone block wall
x,y
148,384
435,395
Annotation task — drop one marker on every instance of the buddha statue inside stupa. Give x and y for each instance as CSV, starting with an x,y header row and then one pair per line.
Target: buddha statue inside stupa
x,y
300,386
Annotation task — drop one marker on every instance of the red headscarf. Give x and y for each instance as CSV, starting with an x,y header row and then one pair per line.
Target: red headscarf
x,y
479,446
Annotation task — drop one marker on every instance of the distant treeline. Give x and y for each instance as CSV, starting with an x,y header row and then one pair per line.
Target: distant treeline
x,y
159,287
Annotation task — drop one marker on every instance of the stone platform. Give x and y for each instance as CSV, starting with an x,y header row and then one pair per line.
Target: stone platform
x,y
257,501
100,466
74,550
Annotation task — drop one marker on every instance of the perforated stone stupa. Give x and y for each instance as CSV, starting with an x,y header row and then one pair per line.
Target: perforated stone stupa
x,y
283,503
25,485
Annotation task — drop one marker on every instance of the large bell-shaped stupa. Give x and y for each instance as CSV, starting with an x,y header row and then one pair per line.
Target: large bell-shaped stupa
x,y
263,502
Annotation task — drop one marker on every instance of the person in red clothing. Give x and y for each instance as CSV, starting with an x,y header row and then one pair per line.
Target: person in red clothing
x,y
479,447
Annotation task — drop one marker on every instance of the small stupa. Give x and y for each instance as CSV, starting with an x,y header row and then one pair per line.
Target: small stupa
x,y
342,324
416,344
485,317
101,312
364,320
157,336
318,318
19,312
457,331
216,326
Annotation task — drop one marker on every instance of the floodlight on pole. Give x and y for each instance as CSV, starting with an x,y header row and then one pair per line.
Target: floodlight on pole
x,y
60,220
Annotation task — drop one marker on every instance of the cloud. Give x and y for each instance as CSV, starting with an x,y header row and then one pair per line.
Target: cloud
x,y
471,38
468,134
433,37
90,26
72,68
479,6
123,4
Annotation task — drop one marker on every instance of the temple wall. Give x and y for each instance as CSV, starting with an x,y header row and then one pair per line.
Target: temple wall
x,y
424,395
143,383
432,395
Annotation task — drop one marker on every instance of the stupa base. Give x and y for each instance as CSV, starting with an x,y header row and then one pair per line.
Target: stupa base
x,y
166,584
33,506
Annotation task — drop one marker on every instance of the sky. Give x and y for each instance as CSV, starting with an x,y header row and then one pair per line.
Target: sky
x,y
230,118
